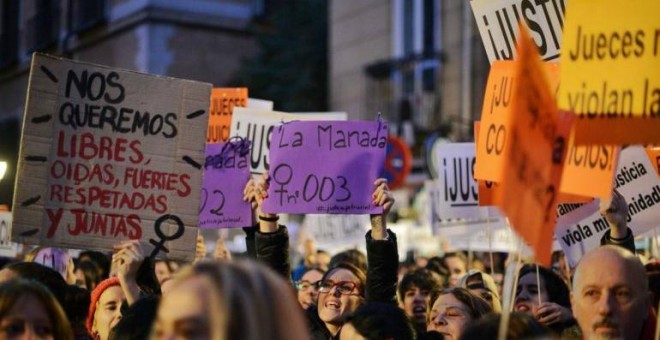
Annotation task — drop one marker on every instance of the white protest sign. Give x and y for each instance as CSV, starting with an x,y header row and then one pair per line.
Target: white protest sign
x,y
498,25
260,104
257,126
457,188
502,240
335,233
110,155
582,229
7,248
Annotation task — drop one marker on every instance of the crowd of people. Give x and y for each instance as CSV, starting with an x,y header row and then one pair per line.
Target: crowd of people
x,y
349,295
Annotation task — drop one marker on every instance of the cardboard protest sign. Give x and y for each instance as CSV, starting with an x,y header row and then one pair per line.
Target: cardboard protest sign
x,y
257,126
7,247
226,171
326,167
223,101
529,189
581,229
497,21
610,73
109,155
458,189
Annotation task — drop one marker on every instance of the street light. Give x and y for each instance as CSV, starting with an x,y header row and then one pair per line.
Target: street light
x,y
3,169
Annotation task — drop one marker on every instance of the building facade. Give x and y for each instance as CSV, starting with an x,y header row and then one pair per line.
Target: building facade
x,y
203,40
415,61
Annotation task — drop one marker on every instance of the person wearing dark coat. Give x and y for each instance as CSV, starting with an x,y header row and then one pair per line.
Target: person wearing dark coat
x,y
344,287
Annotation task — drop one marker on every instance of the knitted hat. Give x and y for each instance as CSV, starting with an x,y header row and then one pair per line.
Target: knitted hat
x,y
96,295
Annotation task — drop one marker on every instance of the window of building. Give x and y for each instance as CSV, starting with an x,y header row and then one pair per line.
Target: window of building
x,y
86,14
42,26
416,44
8,32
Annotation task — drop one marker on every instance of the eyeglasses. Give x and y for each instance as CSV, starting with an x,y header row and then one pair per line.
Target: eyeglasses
x,y
344,287
306,285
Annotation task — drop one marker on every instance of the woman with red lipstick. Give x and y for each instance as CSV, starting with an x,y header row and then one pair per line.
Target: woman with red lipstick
x,y
549,303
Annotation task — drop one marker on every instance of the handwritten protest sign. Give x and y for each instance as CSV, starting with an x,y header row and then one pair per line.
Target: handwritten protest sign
x,y
226,171
587,170
223,101
326,167
581,229
7,248
610,73
110,155
528,191
458,189
497,22
496,117
257,127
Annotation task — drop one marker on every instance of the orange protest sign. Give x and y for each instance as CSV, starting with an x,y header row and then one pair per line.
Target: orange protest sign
x,y
487,189
534,156
223,101
589,169
496,117
654,156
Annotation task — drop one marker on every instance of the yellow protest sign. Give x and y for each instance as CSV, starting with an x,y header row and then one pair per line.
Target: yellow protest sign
x,y
534,155
610,74
223,101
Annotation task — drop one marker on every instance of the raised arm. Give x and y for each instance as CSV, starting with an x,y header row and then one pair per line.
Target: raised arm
x,y
382,252
615,211
271,240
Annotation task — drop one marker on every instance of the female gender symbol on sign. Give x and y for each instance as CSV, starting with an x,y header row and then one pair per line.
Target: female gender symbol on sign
x,y
160,245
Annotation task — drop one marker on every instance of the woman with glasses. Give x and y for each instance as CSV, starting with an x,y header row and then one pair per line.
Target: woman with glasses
x,y
453,309
344,287
308,286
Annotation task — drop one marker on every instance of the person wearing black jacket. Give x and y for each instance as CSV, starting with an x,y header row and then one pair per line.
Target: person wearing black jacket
x,y
343,288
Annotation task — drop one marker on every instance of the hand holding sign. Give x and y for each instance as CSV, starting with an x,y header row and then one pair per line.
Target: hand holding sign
x,y
127,261
382,197
256,194
615,211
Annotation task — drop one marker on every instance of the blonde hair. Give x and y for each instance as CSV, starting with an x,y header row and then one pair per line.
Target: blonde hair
x,y
248,301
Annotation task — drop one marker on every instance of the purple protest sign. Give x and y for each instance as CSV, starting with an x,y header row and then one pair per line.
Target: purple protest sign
x,y
325,167
226,171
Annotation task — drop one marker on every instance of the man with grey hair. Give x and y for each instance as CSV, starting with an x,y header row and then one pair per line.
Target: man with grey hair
x,y
610,295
